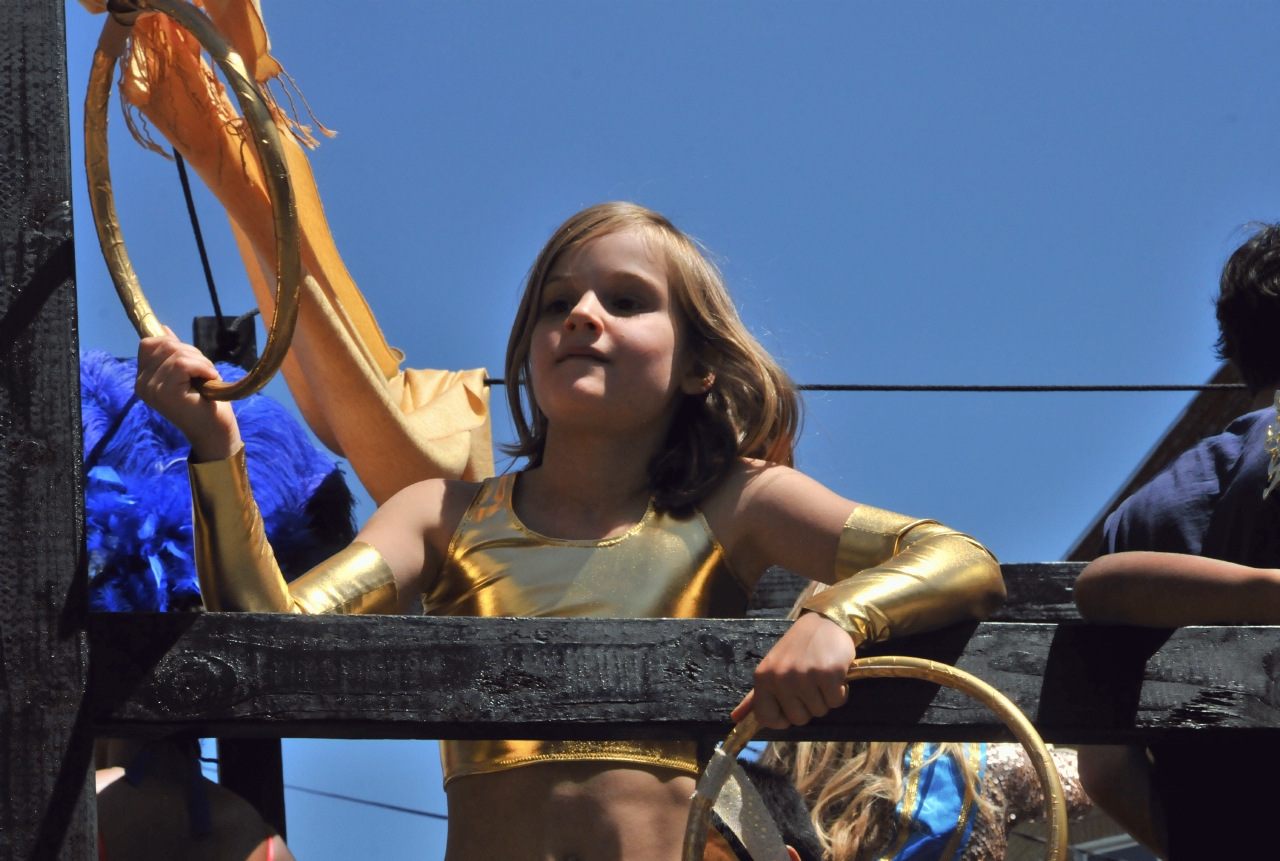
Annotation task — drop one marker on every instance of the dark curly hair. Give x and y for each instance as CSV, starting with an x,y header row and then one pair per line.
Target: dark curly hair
x,y
1248,307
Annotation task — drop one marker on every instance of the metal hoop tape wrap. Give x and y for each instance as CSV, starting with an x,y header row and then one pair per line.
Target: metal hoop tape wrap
x,y
271,156
695,836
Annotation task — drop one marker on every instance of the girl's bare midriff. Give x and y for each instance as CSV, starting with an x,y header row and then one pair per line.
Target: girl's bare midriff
x,y
572,811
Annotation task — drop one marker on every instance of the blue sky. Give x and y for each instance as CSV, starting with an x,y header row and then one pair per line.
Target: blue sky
x,y
898,193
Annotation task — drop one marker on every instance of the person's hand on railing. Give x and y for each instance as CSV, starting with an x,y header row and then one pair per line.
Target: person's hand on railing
x,y
803,676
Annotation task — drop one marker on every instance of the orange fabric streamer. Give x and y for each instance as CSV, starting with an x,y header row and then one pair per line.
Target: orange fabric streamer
x,y
396,427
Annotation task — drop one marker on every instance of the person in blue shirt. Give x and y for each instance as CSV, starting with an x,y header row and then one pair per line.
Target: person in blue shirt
x,y
1200,545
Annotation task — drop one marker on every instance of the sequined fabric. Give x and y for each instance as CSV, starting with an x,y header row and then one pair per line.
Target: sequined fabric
x,y
1012,792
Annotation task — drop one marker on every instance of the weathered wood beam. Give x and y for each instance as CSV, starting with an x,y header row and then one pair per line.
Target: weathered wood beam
x,y
46,742
415,677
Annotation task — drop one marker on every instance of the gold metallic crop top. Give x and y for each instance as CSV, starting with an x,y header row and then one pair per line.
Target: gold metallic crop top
x,y
663,567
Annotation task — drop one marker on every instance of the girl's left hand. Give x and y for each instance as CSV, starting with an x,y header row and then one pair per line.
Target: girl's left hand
x,y
803,676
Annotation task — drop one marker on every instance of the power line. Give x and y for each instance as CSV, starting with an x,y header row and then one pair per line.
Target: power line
x,y
842,387
862,387
366,801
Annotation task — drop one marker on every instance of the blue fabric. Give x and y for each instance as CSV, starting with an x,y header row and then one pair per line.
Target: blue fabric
x,y
138,497
938,810
1208,502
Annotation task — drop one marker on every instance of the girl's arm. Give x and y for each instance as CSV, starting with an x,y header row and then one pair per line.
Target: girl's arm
x,y
1169,590
379,573
891,575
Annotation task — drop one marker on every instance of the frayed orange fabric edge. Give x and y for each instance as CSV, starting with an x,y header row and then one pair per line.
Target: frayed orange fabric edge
x,y
396,426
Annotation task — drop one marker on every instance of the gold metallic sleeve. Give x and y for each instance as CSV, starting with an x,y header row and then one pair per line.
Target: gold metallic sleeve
x,y
238,570
355,581
899,575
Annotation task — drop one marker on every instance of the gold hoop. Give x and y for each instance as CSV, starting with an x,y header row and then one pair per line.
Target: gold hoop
x,y
1055,801
275,170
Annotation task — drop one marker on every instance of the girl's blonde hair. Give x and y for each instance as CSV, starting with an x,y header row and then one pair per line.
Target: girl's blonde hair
x,y
751,410
852,789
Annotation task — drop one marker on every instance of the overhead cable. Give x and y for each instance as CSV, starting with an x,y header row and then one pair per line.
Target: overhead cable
x,y
859,387
366,801
869,387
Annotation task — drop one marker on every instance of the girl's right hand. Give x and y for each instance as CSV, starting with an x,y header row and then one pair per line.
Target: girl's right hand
x,y
803,675
166,369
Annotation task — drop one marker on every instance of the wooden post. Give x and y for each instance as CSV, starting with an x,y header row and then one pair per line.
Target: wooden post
x,y
253,768
46,735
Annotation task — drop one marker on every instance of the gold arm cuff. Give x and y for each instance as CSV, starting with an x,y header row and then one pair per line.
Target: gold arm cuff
x,y
355,581
934,576
235,564
870,536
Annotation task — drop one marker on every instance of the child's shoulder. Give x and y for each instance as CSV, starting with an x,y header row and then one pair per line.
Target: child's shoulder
x,y
767,514
760,492
435,501
752,482
438,489
756,475
432,508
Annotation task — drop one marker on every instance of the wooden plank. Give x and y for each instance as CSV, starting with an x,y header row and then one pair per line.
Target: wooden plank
x,y
46,743
414,677
1037,592
253,768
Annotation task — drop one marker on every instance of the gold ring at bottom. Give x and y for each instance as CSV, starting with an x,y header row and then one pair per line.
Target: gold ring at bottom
x,y
1055,801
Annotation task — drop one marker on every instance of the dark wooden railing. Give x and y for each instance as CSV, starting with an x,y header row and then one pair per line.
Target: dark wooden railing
x,y
414,677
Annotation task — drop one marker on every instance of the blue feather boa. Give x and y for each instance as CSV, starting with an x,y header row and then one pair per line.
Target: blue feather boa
x,y
138,497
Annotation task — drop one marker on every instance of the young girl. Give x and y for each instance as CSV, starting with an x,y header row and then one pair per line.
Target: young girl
x,y
658,436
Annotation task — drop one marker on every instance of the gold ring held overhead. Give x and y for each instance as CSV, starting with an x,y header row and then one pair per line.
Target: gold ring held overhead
x,y
1055,801
271,155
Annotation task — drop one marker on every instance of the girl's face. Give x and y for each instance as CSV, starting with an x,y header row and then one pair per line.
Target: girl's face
x,y
608,349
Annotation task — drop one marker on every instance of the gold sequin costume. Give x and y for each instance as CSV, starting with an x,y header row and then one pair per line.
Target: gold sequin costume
x,y
897,575
1014,795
